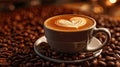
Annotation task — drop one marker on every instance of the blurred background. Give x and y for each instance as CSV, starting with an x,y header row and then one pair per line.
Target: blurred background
x,y
107,7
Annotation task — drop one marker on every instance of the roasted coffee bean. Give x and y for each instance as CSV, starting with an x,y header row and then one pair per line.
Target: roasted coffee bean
x,y
29,64
102,63
88,54
118,47
3,60
33,60
37,64
117,34
82,56
117,51
16,62
113,46
17,17
116,42
62,65
95,62
54,53
86,64
117,64
111,63
110,58
110,49
3,45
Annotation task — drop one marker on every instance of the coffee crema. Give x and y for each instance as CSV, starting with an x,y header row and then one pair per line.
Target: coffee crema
x,y
75,22
69,23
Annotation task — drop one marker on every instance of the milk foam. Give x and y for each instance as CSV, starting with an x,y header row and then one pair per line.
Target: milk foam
x,y
72,22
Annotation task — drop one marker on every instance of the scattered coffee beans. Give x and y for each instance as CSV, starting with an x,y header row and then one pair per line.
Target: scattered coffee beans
x,y
20,28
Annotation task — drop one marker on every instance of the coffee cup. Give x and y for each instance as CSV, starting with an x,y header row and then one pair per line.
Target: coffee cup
x,y
71,33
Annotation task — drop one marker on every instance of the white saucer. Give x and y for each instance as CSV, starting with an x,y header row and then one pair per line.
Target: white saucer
x,y
94,42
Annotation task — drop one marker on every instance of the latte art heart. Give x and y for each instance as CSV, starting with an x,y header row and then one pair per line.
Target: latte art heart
x,y
73,22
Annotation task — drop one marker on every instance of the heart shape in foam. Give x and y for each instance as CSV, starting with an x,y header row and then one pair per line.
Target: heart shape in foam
x,y
73,22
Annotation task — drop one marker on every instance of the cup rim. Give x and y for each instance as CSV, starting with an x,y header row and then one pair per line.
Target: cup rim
x,y
94,22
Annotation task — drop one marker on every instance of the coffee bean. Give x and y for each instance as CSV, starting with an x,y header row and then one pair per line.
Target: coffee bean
x,y
112,31
43,64
33,60
21,45
62,65
88,54
118,47
26,50
86,64
30,15
117,64
113,46
110,58
117,29
116,42
18,17
3,45
37,64
42,31
102,63
82,56
3,49
16,62
54,53
110,49
95,62
111,63
118,39
117,51
3,60
29,64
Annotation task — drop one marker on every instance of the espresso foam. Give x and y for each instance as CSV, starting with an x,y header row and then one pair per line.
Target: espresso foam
x,y
68,23
75,22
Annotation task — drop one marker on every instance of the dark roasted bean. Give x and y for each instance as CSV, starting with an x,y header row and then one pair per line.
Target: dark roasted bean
x,y
95,62
117,51
82,56
62,65
117,64
86,64
37,64
110,58
3,45
3,60
102,63
113,46
29,64
111,63
3,49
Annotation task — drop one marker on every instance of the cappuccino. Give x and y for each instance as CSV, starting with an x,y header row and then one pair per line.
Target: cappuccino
x,y
69,23
74,32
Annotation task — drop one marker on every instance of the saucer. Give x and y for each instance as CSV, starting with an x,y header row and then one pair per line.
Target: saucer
x,y
94,42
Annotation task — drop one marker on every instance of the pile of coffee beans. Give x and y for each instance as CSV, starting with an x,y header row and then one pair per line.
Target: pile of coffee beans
x,y
20,28
45,50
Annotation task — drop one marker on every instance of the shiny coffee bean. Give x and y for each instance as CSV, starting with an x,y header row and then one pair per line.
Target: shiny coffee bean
x,y
102,63
111,63
108,58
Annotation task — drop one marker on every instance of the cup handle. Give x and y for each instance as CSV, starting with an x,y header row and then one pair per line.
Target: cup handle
x,y
107,37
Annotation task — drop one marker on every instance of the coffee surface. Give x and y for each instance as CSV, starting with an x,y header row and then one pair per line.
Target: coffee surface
x,y
69,23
